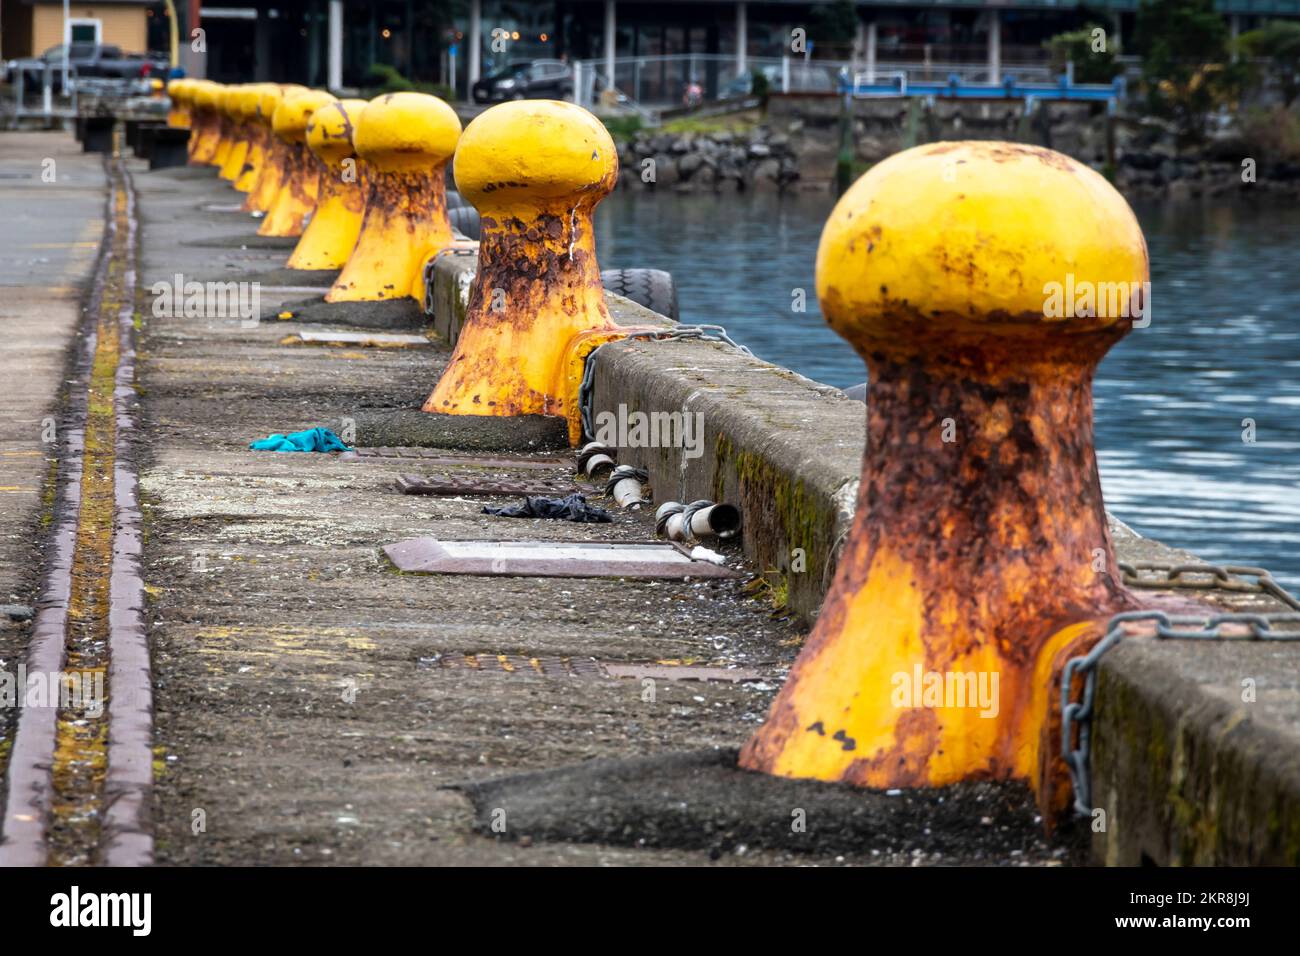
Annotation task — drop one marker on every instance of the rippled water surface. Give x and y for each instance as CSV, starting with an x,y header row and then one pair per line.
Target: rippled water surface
x,y
1223,346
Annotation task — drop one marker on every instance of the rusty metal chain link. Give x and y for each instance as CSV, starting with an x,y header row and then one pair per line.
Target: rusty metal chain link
x,y
1150,574
706,333
1076,716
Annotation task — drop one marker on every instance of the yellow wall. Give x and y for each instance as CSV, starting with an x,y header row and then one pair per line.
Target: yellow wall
x,y
122,25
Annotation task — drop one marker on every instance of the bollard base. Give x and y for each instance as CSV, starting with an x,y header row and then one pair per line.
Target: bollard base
x,y
411,428
394,314
702,800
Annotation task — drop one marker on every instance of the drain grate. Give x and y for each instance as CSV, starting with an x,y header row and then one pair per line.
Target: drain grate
x,y
447,486
590,668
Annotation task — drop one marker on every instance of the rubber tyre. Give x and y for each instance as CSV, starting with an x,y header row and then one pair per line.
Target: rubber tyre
x,y
455,200
464,220
652,288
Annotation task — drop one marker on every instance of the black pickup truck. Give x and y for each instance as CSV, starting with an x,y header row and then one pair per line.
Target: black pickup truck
x,y
85,60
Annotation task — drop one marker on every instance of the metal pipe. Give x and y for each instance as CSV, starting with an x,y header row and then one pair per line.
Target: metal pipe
x,y
697,520
626,485
596,460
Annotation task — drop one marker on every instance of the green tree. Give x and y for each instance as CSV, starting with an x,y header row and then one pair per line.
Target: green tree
x,y
1184,50
1089,49
1278,42
834,24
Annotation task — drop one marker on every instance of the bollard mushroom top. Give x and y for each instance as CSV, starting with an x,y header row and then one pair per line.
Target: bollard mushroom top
x,y
329,131
208,95
535,152
268,96
228,100
294,112
971,238
177,89
406,132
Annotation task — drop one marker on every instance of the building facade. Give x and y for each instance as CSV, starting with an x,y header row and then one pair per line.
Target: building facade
x,y
334,43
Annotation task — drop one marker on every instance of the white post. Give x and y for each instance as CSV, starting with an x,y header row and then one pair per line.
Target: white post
x,y
871,52
995,47
475,45
610,39
785,72
334,68
742,39
67,44
577,83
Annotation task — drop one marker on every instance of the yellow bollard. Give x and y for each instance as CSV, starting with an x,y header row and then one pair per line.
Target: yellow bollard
x,y
535,170
405,140
298,176
237,103
332,233
206,122
178,113
979,558
264,184
226,123
255,133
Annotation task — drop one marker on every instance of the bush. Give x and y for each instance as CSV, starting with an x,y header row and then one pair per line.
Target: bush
x,y
1080,47
386,79
1272,135
1277,42
1184,48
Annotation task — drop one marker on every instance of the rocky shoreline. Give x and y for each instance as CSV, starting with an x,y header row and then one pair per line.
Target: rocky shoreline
x,y
795,146
760,159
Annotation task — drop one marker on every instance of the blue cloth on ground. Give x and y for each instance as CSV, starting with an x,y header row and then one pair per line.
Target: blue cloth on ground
x,y
314,439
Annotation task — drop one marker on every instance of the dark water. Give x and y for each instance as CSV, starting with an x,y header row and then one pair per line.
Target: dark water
x,y
1223,346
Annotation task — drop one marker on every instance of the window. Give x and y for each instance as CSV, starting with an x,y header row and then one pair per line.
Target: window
x,y
83,31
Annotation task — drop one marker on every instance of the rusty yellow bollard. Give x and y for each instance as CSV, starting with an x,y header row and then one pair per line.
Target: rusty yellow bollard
x,y
206,121
979,558
178,112
299,173
236,103
332,233
226,123
405,140
535,170
264,184
255,133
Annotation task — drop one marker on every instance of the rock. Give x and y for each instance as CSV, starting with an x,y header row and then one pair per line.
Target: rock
x,y
688,164
682,144
665,170
16,612
759,150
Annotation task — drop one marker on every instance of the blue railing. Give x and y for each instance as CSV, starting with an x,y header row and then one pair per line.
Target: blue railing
x,y
887,84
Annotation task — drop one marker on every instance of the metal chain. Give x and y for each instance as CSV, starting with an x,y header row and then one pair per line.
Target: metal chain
x,y
1076,717
1205,577
707,333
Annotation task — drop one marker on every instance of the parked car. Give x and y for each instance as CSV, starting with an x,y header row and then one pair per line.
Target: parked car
x,y
526,80
86,60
